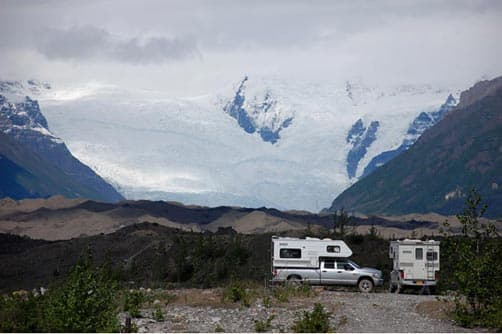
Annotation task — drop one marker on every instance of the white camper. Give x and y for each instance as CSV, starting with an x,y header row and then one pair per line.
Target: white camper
x,y
305,253
415,264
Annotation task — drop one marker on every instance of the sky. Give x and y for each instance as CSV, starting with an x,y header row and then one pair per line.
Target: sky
x,y
191,47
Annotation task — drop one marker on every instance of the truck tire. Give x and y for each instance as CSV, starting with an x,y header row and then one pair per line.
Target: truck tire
x,y
294,281
365,285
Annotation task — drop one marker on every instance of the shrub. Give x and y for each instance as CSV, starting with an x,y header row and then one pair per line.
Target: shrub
x,y
316,321
219,329
236,292
84,303
476,270
263,326
158,315
284,293
267,302
133,301
20,314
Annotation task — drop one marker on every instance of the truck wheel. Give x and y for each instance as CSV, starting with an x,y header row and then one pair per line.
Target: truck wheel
x,y
294,281
365,285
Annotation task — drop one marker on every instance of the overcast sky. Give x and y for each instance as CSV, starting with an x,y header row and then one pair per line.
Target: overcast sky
x,y
190,47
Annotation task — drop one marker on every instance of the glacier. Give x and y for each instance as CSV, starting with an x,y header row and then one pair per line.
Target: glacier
x,y
289,149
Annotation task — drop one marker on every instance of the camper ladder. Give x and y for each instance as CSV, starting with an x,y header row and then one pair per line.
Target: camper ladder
x,y
429,266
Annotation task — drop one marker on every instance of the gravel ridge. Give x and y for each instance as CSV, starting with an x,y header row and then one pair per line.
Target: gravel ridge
x,y
350,312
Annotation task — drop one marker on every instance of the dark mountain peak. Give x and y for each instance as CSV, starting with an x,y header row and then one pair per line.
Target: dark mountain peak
x,y
26,113
258,113
450,101
360,138
479,91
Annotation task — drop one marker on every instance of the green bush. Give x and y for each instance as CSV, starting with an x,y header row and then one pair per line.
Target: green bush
x,y
219,329
236,292
316,321
158,315
133,301
86,302
261,326
20,314
284,293
267,302
475,273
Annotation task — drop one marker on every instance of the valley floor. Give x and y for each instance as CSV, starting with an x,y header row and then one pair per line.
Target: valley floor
x,y
202,311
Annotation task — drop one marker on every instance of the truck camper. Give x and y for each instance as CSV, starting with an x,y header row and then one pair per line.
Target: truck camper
x,y
319,262
415,263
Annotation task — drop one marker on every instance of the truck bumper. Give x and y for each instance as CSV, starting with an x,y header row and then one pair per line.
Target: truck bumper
x,y
418,283
378,281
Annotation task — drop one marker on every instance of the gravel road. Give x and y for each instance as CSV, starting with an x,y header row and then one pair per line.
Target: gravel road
x,y
351,312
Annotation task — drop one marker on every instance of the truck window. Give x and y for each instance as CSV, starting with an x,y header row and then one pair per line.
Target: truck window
x,y
341,265
290,253
329,264
333,249
419,253
432,256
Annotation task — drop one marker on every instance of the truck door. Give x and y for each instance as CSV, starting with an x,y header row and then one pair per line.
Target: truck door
x,y
328,272
345,273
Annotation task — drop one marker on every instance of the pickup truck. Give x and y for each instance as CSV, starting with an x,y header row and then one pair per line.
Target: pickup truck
x,y
333,271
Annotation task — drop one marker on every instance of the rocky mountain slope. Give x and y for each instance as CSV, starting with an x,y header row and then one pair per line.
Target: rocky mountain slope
x,y
462,151
25,174
36,162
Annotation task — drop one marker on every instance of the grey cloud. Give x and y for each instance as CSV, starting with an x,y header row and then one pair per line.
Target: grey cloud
x,y
90,43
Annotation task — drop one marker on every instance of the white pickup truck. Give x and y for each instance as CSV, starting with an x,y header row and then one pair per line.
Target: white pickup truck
x,y
319,262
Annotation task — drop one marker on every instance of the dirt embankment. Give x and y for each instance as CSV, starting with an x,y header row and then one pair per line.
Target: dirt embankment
x,y
58,218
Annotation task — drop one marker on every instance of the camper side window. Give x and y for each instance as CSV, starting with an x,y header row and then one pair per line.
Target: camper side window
x,y
432,256
419,253
333,249
290,253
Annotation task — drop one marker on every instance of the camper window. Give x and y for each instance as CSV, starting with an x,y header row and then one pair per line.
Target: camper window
x,y
333,249
432,256
419,254
290,253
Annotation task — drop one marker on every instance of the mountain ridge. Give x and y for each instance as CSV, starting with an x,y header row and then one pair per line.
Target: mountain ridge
x,y
23,121
437,172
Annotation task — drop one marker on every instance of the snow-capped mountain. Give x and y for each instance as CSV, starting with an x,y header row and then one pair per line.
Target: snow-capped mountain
x,y
271,141
22,120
